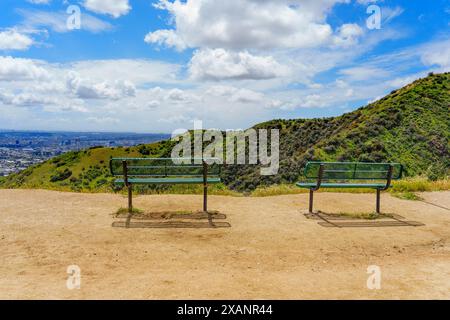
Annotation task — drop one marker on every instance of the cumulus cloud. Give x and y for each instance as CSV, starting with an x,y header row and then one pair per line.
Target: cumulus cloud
x,y
219,64
348,35
167,38
437,53
243,24
115,8
153,104
239,95
28,85
86,89
26,99
166,99
177,95
12,69
14,40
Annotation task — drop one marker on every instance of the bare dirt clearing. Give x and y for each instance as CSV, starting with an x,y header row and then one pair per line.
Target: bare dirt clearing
x,y
270,251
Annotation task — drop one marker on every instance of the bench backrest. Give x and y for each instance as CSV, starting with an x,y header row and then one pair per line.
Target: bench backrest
x,y
162,167
353,170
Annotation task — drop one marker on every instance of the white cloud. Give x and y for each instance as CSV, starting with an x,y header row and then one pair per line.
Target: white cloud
x,y
238,95
246,96
348,35
438,53
362,73
103,120
166,37
57,21
402,81
247,24
313,101
366,2
388,13
167,97
86,89
12,69
153,104
70,106
180,96
219,64
14,40
138,71
115,8
39,1
26,99
38,89
174,119
177,95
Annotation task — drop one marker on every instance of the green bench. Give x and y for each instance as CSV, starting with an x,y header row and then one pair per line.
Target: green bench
x,y
376,176
150,171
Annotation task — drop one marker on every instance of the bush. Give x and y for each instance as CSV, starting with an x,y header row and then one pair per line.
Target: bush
x,y
144,151
437,171
61,175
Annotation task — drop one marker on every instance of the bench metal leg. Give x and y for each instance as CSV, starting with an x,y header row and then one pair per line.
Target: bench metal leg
x,y
378,200
130,199
311,200
205,186
205,198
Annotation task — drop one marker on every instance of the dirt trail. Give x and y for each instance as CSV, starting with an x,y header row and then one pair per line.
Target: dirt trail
x,y
270,251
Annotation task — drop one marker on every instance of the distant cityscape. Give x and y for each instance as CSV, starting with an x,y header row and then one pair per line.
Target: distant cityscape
x,y
21,149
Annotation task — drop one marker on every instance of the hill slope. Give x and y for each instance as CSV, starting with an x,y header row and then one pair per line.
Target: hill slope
x,y
410,126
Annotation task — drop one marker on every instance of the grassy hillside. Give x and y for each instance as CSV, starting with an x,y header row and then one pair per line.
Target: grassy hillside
x,y
410,126
86,170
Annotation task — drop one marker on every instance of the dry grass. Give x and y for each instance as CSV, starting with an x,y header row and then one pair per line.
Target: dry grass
x,y
402,189
420,184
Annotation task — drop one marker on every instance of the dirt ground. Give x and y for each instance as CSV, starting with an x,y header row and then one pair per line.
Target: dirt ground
x,y
271,250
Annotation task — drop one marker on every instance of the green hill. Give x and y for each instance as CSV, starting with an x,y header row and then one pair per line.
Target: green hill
x,y
410,126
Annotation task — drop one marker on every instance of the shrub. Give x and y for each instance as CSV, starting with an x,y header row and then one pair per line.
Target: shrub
x,y
61,175
437,171
144,151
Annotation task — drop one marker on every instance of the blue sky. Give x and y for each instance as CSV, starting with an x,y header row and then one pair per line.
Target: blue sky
x,y
154,66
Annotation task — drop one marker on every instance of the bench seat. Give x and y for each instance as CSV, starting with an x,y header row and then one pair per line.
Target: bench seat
x,y
168,180
308,185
